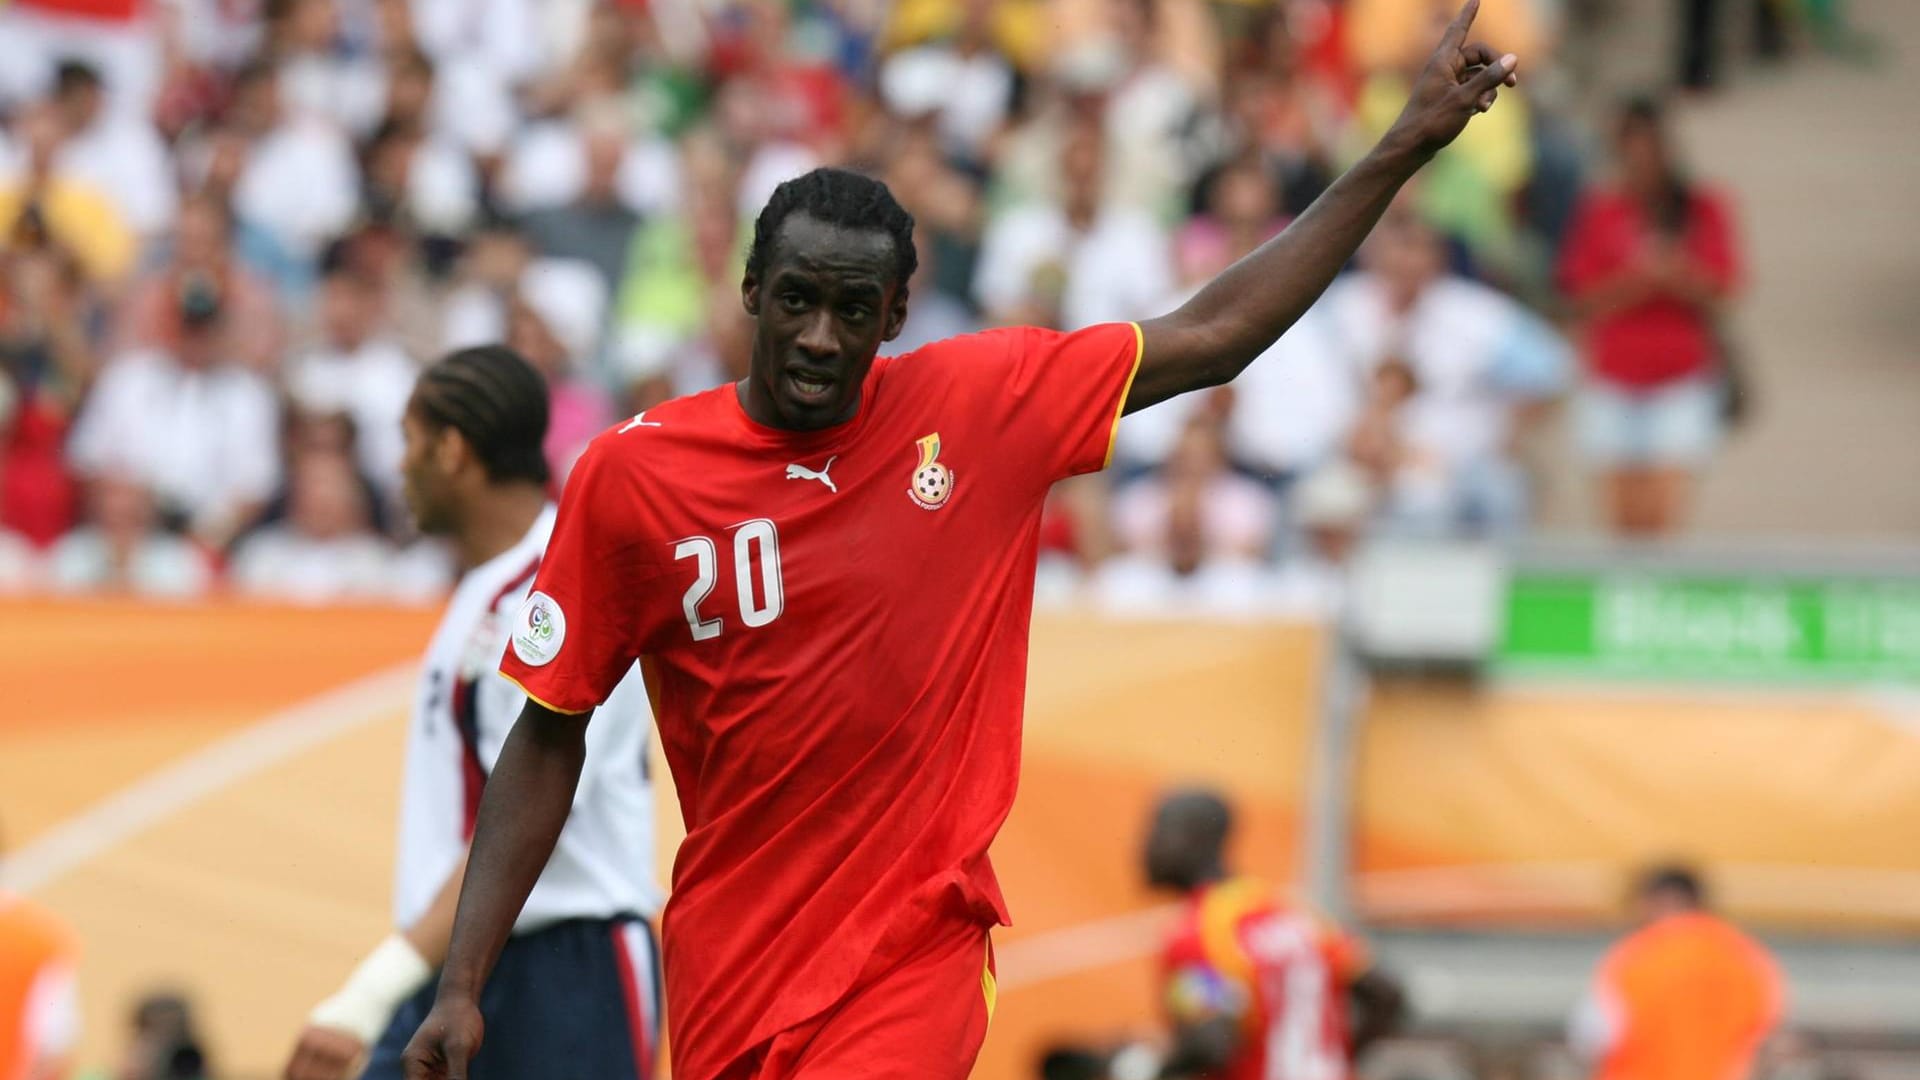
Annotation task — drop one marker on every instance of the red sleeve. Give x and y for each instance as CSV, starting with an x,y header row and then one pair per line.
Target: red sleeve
x,y
1057,396
580,628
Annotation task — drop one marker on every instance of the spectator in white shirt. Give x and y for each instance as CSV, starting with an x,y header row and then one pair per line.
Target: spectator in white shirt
x,y
122,548
1178,577
196,428
1237,515
326,549
966,82
1329,510
355,366
1076,262
455,98
1480,364
298,181
319,78
1291,408
118,154
419,179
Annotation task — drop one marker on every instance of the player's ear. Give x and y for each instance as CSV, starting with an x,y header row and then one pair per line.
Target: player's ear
x,y
896,314
450,450
750,294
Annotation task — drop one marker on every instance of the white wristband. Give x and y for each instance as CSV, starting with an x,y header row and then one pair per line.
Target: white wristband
x,y
364,1006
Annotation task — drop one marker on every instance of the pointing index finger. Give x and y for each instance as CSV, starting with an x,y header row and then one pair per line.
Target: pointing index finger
x,y
1457,29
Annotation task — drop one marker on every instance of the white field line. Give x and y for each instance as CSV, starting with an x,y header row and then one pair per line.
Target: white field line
x,y
159,795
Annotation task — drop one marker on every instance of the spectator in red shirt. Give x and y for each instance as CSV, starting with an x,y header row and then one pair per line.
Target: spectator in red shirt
x,y
1649,264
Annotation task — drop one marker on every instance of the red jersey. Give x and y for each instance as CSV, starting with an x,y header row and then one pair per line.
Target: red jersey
x,y
834,624
1660,339
1239,951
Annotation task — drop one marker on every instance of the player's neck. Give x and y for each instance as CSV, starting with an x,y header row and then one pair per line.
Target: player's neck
x,y
498,520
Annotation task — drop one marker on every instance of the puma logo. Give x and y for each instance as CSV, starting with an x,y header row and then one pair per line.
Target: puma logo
x,y
639,420
801,472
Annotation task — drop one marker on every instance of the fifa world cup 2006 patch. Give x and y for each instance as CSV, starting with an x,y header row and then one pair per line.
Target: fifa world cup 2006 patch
x,y
540,630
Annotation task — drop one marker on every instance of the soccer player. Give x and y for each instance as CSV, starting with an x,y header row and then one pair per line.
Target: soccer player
x,y
1255,988
575,995
828,568
39,1002
1685,995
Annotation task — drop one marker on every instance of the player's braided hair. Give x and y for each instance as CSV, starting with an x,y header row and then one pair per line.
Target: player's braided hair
x,y
842,198
498,402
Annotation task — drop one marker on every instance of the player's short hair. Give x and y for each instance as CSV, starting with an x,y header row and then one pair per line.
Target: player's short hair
x,y
841,198
1677,881
498,402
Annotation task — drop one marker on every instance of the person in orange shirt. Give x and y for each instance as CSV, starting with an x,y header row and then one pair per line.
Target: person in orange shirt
x,y
39,1009
1687,996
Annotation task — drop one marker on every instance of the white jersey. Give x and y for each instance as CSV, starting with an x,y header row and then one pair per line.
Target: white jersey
x,y
603,863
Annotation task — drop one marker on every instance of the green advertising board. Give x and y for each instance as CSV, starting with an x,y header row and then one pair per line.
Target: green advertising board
x,y
1668,626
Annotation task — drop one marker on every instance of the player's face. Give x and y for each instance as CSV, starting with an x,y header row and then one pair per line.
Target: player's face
x,y
827,303
422,481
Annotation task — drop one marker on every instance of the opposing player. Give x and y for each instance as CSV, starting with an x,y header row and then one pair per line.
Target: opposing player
x,y
575,997
828,568
1255,987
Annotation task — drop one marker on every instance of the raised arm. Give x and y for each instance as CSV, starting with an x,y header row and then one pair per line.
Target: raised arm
x,y
525,805
1239,314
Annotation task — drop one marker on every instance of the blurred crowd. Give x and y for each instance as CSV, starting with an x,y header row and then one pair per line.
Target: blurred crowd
x,y
232,230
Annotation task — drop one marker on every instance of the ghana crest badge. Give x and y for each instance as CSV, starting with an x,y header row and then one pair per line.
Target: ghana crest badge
x,y
932,482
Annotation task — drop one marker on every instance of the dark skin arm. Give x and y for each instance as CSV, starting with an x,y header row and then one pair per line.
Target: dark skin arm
x,y
1239,314
525,805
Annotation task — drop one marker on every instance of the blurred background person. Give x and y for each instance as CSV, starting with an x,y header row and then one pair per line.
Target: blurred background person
x,y
325,550
1474,366
121,548
1252,985
1687,994
1192,537
1329,513
42,206
48,359
117,154
189,421
354,365
164,1042
579,978
201,249
1077,260
39,994
292,176
1650,263
555,321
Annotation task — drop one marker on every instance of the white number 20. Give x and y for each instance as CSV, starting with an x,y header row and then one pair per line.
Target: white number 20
x,y
754,610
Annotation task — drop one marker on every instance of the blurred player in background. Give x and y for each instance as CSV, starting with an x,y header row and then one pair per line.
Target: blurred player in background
x,y
1256,988
1685,996
39,1002
829,568
165,1041
576,994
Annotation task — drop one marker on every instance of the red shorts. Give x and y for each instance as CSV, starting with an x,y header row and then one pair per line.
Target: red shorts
x,y
921,1016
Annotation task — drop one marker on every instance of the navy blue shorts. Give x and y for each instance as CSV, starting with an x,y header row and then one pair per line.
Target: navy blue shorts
x,y
579,1000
